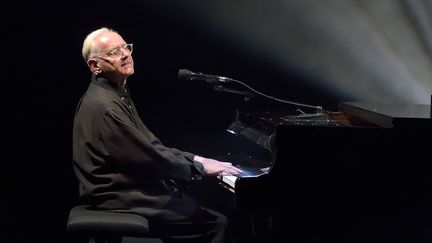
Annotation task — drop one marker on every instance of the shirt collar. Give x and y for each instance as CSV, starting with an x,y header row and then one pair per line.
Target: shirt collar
x,y
105,83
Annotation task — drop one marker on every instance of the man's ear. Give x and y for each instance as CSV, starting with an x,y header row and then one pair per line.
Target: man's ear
x,y
94,66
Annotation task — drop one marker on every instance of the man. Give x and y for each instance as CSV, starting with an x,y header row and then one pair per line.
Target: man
x,y
122,166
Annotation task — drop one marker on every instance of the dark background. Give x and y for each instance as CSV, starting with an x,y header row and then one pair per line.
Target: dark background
x,y
45,76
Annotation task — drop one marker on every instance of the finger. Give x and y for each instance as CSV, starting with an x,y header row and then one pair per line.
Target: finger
x,y
226,163
235,169
235,172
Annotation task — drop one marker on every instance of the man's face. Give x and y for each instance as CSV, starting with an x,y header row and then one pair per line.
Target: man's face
x,y
113,56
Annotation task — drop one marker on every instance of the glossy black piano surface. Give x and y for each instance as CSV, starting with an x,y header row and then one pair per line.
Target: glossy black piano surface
x,y
340,178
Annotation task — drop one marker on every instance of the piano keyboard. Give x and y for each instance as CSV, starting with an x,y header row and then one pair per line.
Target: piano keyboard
x,y
229,180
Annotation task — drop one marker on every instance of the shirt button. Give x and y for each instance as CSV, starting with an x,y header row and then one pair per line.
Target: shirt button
x,y
122,98
130,106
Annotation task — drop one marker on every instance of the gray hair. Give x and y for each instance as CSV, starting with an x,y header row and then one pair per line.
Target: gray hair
x,y
89,43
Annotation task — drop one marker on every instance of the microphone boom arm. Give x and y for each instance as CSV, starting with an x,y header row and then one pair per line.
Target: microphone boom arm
x,y
319,109
214,79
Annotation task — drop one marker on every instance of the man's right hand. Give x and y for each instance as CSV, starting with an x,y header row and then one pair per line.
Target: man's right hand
x,y
216,167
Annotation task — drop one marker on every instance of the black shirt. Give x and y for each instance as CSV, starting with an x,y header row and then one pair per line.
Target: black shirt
x,y
120,164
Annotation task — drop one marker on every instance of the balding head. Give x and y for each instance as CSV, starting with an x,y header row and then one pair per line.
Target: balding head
x,y
89,46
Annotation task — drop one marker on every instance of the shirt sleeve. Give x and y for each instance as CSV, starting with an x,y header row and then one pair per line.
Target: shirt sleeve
x,y
138,151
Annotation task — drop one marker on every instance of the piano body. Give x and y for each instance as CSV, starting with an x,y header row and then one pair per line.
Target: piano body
x,y
363,174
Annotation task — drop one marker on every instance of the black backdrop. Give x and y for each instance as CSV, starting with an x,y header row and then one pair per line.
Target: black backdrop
x,y
45,76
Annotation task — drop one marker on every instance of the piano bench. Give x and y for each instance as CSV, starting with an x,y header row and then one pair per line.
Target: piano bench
x,y
95,226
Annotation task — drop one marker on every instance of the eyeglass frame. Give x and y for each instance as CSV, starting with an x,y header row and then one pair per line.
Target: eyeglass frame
x,y
121,48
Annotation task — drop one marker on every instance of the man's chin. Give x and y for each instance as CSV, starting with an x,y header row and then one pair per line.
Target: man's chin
x,y
129,72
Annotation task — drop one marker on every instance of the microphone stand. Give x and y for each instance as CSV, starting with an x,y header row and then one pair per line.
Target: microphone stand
x,y
183,73
247,95
319,110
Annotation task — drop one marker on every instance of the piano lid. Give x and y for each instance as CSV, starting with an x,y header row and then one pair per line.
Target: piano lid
x,y
259,128
389,115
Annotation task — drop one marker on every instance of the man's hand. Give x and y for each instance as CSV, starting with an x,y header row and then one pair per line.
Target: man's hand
x,y
216,167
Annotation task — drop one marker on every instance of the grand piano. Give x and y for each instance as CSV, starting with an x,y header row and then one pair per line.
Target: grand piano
x,y
362,174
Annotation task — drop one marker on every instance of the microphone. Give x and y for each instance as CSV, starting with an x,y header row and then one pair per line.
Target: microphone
x,y
209,78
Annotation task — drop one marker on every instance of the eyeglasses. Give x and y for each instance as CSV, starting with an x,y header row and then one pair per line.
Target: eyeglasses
x,y
118,51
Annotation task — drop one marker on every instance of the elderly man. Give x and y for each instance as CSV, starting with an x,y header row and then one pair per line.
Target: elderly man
x,y
121,166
